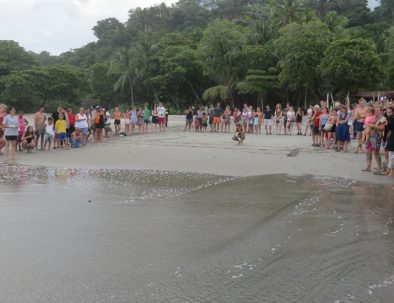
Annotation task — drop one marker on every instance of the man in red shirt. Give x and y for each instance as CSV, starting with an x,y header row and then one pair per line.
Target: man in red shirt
x,y
71,120
316,126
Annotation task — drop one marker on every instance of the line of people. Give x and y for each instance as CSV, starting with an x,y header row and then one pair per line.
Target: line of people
x,y
64,129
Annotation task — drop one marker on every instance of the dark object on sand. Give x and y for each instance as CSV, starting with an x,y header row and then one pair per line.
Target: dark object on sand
x,y
293,152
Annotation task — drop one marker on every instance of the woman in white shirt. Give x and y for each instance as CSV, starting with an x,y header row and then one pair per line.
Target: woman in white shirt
x,y
81,122
290,119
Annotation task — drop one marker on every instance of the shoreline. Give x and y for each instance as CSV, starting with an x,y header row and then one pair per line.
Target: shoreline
x,y
212,153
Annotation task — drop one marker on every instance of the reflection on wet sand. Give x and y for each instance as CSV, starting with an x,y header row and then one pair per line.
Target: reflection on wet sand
x,y
105,235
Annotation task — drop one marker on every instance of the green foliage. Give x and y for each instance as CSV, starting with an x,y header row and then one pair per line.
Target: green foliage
x,y
229,50
13,57
301,50
350,65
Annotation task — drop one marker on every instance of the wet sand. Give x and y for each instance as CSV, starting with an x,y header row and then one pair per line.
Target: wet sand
x,y
110,235
190,217
213,153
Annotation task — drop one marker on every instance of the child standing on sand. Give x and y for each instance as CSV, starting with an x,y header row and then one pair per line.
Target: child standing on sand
x,y
49,134
61,130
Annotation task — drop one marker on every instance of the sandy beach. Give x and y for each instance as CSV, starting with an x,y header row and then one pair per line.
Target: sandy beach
x,y
216,153
193,217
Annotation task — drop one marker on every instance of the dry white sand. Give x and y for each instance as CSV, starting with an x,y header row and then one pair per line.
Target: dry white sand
x,y
208,152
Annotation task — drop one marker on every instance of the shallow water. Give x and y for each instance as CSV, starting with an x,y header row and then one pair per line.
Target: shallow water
x,y
152,236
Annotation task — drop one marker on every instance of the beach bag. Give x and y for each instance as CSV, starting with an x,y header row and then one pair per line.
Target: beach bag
x,y
328,127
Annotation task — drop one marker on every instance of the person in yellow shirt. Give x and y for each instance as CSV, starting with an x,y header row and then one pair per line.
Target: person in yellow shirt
x,y
61,131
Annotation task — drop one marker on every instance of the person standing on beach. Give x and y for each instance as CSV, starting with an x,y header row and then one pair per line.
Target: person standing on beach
x,y
81,123
285,110
309,114
189,119
167,113
22,128
210,116
3,109
117,116
260,117
155,118
39,126
71,121
146,117
316,122
278,116
290,119
268,120
226,119
360,113
217,113
161,112
390,141
375,138
11,126
61,131
99,125
299,116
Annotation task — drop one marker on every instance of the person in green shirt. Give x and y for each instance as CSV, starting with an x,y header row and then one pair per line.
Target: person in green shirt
x,y
146,117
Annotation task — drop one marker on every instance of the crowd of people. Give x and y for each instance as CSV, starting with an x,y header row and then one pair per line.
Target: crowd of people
x,y
64,129
371,125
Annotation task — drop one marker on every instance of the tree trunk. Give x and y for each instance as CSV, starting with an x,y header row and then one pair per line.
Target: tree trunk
x,y
131,92
305,103
198,99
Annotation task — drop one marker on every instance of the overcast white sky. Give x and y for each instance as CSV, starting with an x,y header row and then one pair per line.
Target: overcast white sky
x,y
60,25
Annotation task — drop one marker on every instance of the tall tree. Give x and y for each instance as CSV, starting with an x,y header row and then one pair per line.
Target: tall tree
x,y
14,57
301,49
124,67
350,65
220,51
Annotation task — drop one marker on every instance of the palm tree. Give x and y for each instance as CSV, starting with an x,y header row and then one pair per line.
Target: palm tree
x,y
287,10
123,65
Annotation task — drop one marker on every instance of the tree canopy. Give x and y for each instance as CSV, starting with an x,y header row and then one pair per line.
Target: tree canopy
x,y
198,51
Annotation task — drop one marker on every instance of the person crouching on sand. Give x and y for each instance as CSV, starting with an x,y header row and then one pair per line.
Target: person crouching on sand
x,y
239,133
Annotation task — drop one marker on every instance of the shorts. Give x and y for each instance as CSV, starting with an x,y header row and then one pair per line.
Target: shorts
x,y
210,121
140,122
40,131
217,120
62,136
48,138
147,121
391,160
316,130
84,131
162,120
358,126
11,138
133,120
268,122
374,142
117,122
189,121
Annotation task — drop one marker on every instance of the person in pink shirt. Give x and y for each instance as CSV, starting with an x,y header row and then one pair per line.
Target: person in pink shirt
x,y
22,128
